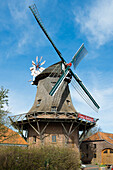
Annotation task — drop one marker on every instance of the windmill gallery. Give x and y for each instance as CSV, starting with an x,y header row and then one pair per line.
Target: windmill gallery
x,y
53,118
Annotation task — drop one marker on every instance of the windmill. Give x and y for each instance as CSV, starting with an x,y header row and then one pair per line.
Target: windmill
x,y
53,118
66,70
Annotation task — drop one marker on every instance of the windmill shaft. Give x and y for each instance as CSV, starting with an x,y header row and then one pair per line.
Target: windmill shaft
x,y
84,88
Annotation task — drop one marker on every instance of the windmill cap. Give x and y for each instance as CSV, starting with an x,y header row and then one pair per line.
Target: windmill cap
x,y
49,71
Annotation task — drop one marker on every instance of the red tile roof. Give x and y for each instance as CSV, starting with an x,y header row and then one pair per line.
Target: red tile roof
x,y
101,136
8,136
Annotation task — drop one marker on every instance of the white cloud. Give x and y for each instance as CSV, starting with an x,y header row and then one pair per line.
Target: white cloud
x,y
23,34
96,21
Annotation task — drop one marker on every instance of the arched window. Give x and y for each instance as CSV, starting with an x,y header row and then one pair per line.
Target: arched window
x,y
106,151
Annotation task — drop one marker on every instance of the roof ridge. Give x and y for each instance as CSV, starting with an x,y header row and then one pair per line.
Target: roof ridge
x,y
107,133
100,137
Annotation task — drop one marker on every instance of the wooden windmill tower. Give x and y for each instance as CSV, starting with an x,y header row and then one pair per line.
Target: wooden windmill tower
x,y
53,118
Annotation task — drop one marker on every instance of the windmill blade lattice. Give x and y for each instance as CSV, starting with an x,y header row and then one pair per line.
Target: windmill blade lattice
x,y
79,55
35,12
82,93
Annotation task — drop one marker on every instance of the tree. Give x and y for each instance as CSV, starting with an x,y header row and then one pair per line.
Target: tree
x,y
3,115
5,134
93,131
3,104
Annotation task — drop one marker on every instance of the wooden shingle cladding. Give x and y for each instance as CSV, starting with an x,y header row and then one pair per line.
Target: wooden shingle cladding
x,y
50,71
61,101
9,137
93,147
45,103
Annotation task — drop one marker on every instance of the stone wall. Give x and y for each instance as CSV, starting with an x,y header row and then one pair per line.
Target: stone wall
x,y
54,134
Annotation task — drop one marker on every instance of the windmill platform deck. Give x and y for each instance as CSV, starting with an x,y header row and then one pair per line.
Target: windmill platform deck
x,y
77,118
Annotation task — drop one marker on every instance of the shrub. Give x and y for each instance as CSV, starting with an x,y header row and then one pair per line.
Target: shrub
x,y
44,158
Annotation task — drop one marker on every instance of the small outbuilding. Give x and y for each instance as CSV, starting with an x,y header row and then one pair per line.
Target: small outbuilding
x,y
98,149
9,137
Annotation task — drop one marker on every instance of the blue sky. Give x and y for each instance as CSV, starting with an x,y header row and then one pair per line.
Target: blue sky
x,y
69,24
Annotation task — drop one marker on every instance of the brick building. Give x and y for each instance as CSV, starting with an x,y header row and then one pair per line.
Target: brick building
x,y
98,148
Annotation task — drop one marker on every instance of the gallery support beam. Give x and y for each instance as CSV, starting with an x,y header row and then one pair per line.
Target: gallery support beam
x,y
70,131
39,131
16,127
83,135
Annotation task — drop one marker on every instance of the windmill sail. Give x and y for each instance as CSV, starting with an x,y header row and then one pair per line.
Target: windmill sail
x,y
84,93
75,60
35,12
40,59
37,59
80,54
79,87
42,63
59,82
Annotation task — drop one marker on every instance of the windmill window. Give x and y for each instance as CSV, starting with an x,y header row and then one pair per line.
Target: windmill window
x,y
53,108
34,139
87,146
38,102
54,138
68,102
95,146
95,155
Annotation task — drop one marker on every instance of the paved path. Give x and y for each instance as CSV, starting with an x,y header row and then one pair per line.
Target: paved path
x,y
92,167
